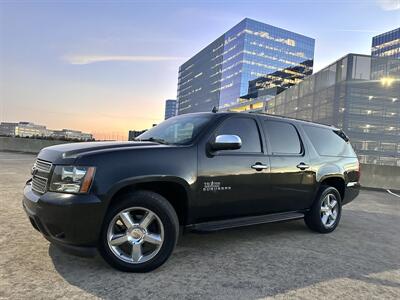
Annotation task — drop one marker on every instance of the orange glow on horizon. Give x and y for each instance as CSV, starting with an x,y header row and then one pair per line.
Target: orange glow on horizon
x,y
102,127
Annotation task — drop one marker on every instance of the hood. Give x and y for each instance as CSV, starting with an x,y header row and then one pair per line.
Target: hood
x,y
70,151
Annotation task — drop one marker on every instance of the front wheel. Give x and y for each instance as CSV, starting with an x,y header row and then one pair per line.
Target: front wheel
x,y
326,211
139,233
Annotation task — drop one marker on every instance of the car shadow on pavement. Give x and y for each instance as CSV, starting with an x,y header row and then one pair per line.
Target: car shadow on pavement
x,y
252,262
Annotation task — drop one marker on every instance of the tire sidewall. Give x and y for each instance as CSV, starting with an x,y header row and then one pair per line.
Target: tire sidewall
x,y
325,191
313,219
161,207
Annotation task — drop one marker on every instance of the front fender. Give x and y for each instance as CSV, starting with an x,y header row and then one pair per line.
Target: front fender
x,y
145,179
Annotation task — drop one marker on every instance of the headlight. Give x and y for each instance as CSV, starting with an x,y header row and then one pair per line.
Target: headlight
x,y
71,179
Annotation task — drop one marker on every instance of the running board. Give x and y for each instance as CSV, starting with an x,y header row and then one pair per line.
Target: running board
x,y
245,221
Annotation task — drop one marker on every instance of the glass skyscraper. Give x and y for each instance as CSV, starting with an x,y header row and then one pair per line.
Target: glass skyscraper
x,y
387,44
358,93
170,109
250,62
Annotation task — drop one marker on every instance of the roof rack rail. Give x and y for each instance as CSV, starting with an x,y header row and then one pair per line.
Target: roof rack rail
x,y
286,117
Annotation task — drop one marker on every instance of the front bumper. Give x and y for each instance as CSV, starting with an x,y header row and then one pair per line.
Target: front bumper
x,y
351,192
71,222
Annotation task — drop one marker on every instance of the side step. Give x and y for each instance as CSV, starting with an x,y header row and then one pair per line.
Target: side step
x,y
245,221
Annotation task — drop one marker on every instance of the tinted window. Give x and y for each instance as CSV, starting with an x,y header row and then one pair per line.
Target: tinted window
x,y
177,130
329,142
282,137
246,129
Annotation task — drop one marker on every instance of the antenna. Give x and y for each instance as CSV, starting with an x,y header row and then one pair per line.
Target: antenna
x,y
215,109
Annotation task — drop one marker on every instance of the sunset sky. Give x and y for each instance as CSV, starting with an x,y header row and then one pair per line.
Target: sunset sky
x,y
107,67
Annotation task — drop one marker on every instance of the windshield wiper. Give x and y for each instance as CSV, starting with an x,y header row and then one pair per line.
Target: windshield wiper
x,y
153,139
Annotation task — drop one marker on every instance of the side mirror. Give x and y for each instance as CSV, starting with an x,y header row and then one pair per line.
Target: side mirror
x,y
226,142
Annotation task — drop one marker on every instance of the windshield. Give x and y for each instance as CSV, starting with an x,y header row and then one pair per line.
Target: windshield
x,y
181,130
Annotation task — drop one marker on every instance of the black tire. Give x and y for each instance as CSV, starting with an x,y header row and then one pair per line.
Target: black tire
x,y
166,214
313,218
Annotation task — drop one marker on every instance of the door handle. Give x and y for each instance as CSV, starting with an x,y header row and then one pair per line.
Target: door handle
x,y
259,166
302,166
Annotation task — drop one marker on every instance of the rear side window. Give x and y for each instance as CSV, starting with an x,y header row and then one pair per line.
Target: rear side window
x,y
283,137
246,129
329,142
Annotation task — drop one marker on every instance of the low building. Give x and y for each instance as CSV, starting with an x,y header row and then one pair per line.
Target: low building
x,y
170,109
358,93
69,134
134,134
23,129
7,128
29,129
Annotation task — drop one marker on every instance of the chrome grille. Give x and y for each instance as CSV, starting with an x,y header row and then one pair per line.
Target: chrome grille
x,y
42,165
39,184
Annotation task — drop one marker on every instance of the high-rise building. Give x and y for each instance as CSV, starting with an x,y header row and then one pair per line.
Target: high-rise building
x,y
251,60
358,93
170,109
387,44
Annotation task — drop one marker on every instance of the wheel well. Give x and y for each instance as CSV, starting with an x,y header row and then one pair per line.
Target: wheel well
x,y
174,192
337,183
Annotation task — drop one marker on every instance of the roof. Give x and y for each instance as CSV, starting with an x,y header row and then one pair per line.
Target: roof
x,y
270,116
293,119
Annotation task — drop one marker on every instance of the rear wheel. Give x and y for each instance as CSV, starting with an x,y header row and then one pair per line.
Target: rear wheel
x,y
139,233
326,211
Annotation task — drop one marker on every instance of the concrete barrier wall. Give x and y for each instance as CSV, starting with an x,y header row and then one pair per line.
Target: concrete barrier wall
x,y
26,145
374,176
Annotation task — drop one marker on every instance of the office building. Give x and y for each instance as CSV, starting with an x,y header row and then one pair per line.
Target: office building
x,y
69,134
170,109
8,128
358,93
134,134
29,129
387,44
23,129
250,61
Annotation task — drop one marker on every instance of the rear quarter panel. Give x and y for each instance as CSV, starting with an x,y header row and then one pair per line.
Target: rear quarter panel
x,y
324,167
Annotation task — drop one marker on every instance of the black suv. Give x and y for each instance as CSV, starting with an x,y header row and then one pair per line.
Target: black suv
x,y
202,172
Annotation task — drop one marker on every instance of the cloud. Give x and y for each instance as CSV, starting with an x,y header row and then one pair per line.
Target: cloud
x,y
91,59
389,4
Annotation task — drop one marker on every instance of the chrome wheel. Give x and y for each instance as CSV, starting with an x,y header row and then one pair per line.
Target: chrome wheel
x,y
329,210
135,235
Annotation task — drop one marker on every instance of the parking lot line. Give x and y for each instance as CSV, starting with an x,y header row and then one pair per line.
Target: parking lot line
x,y
391,193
